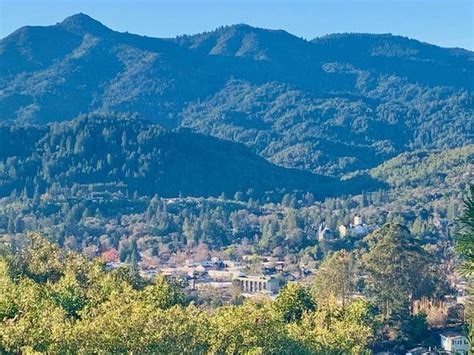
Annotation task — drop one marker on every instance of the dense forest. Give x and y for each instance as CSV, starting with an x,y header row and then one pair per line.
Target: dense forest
x,y
134,156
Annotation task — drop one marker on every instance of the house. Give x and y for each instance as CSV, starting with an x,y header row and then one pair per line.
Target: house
x,y
454,343
343,231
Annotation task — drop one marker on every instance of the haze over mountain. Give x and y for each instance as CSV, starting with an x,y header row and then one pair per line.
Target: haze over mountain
x,y
332,105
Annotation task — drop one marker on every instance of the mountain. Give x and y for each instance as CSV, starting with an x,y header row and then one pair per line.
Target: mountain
x,y
333,105
117,153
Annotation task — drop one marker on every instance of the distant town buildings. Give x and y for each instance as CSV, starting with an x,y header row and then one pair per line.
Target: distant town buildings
x,y
222,274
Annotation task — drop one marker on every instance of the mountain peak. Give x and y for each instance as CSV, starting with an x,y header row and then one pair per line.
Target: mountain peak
x,y
243,40
81,23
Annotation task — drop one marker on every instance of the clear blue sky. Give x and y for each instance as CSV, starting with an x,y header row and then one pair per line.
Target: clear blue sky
x,y
448,23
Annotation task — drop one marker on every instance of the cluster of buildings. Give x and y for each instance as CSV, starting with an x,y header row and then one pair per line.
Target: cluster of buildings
x,y
355,229
222,275
219,275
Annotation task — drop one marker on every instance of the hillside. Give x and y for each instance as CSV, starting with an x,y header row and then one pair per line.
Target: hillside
x,y
333,105
423,168
433,180
134,156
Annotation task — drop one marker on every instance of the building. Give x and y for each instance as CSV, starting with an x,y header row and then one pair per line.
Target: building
x,y
324,233
259,284
343,231
454,343
357,228
358,220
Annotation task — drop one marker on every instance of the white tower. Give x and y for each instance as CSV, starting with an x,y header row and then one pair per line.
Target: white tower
x,y
357,220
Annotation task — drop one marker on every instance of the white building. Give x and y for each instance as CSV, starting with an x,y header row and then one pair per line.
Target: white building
x,y
357,228
259,284
358,220
343,231
454,343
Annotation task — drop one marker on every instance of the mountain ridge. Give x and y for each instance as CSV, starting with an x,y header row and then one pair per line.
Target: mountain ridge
x,y
332,105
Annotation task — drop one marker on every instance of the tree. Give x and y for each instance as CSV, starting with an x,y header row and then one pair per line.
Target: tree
x,y
413,330
332,329
465,244
465,247
37,259
293,301
162,294
398,268
249,328
336,277
69,294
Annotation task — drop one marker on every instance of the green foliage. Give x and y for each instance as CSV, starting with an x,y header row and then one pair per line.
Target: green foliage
x,y
293,301
398,269
336,277
89,310
249,328
38,260
465,245
333,105
162,294
336,330
413,330
150,161
68,294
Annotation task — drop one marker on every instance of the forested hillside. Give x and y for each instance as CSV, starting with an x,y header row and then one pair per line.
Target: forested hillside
x,y
444,169
87,209
333,105
114,153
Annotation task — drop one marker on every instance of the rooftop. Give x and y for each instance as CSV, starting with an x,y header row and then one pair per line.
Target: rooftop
x,y
451,335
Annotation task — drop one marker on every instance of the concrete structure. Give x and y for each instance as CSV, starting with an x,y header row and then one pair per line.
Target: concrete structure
x,y
259,284
454,343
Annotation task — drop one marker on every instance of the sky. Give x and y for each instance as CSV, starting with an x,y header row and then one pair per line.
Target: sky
x,y
448,23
